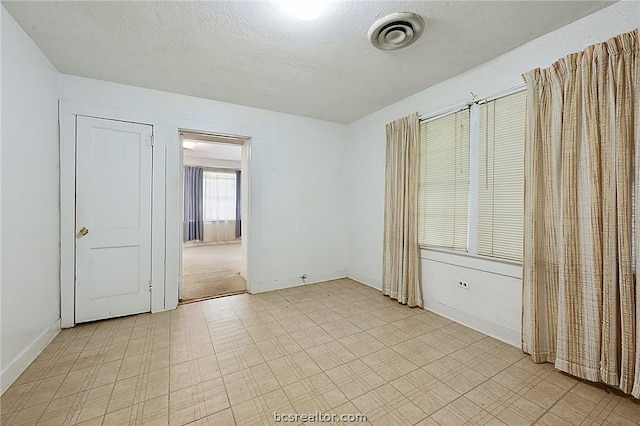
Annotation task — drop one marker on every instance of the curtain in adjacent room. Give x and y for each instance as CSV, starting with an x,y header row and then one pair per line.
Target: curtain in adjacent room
x,y
193,208
238,204
582,159
401,255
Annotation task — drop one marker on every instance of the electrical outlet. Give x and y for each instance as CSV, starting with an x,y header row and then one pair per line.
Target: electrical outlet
x,y
463,285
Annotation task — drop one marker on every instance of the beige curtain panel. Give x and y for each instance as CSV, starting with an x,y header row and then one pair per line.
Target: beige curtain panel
x,y
582,172
401,256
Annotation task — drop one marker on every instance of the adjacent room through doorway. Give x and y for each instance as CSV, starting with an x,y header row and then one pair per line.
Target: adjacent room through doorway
x,y
212,237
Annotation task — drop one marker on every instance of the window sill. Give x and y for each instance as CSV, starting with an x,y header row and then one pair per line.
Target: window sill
x,y
462,259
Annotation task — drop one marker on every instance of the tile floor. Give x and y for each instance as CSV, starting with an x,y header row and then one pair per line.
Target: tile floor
x,y
337,347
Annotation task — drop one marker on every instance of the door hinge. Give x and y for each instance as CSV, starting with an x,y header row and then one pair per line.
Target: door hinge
x,y
150,286
151,139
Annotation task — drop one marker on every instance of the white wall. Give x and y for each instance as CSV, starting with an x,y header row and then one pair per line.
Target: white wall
x,y
29,195
302,182
493,302
297,192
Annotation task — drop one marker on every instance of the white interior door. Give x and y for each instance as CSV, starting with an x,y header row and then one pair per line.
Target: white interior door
x,y
113,218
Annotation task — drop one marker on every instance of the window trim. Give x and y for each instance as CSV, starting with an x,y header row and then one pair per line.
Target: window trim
x,y
474,170
216,170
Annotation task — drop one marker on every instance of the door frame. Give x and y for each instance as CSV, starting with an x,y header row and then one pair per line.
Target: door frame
x,y
245,168
68,111
175,206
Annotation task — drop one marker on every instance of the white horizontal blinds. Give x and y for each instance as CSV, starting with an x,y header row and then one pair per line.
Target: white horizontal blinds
x,y
501,177
444,181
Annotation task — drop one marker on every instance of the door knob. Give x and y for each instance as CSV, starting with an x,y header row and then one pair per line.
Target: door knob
x,y
84,231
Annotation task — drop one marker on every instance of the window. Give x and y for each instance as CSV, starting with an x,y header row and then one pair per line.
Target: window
x,y
444,181
219,195
501,180
472,179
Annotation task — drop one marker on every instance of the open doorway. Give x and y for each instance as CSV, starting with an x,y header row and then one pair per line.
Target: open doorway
x,y
213,187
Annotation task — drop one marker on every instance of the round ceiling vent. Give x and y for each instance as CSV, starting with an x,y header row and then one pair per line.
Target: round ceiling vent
x,y
396,31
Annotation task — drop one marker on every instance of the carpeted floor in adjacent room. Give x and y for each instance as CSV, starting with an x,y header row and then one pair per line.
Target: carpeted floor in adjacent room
x,y
212,271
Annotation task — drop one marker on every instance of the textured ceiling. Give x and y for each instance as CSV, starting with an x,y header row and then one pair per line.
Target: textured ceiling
x,y
251,53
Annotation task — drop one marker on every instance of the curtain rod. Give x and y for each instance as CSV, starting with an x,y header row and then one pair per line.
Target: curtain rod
x,y
213,137
442,113
229,170
478,101
505,92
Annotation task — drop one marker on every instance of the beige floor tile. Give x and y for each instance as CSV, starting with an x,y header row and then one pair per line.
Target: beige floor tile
x,y
248,412
221,418
466,380
361,344
266,331
411,383
297,323
389,364
155,411
233,339
550,419
125,394
311,336
389,335
197,401
521,411
317,392
277,347
341,328
419,353
43,391
490,395
292,368
13,394
330,355
96,421
413,326
618,420
250,383
366,321
261,410
336,347
27,416
628,408
447,416
119,417
60,408
593,392
93,403
324,316
238,359
193,372
355,378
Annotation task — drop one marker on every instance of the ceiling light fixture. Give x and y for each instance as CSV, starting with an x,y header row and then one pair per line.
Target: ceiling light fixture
x,y
188,144
306,10
396,31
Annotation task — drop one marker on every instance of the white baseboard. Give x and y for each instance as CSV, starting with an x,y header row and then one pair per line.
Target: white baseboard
x,y
504,334
20,363
297,281
377,284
